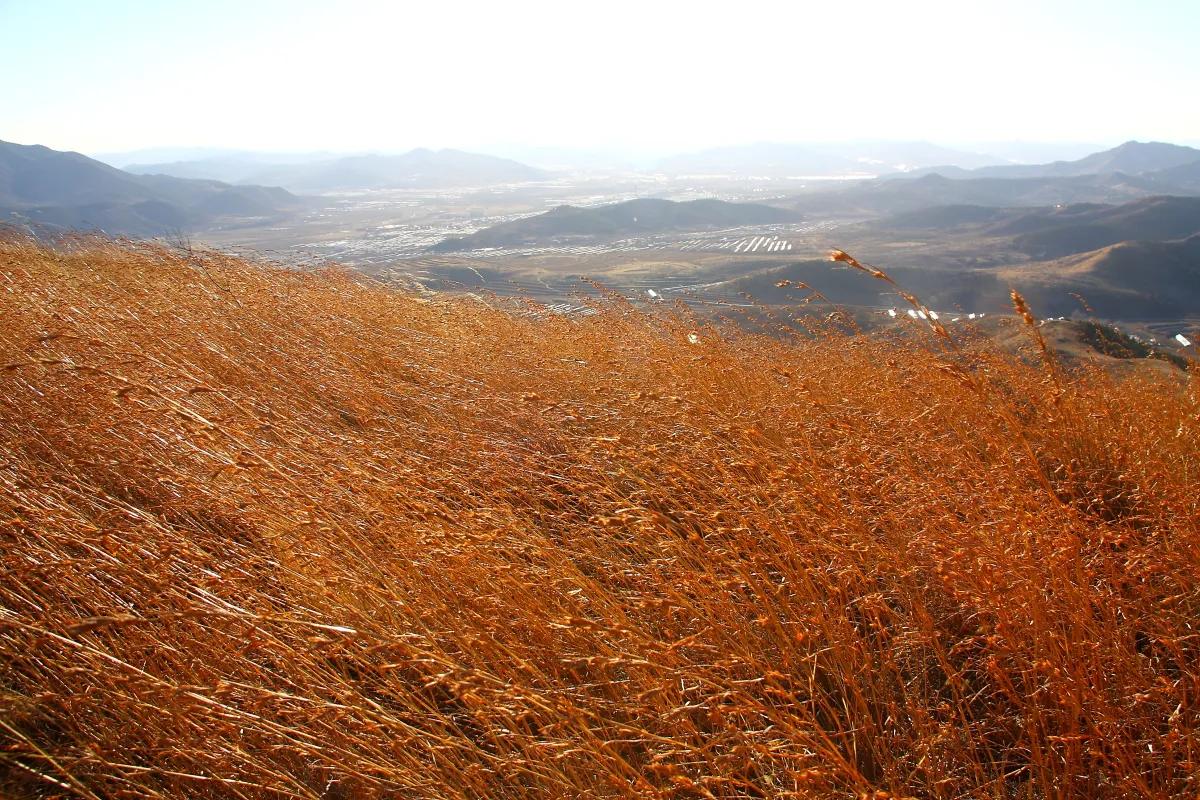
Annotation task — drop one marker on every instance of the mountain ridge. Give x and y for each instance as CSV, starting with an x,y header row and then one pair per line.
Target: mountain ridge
x,y
418,168
1130,158
55,188
782,159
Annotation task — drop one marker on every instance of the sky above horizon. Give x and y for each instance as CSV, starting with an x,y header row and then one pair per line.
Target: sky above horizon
x,y
652,76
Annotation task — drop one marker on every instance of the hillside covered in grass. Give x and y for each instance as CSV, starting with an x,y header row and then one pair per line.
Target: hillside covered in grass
x,y
270,533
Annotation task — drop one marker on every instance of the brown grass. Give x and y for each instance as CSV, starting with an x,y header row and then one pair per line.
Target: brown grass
x,y
273,534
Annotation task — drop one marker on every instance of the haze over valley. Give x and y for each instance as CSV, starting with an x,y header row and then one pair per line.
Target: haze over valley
x,y
1081,237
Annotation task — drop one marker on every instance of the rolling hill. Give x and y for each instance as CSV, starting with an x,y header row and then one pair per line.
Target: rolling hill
x,y
44,187
421,168
646,215
948,217
1128,280
1184,179
1055,231
940,289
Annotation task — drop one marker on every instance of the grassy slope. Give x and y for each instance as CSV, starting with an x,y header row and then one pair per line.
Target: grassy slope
x,y
1129,280
276,534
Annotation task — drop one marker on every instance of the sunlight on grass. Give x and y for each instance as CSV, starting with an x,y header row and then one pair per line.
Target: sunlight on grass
x,y
280,534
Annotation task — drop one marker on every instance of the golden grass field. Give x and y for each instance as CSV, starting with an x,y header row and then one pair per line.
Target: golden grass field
x,y
270,533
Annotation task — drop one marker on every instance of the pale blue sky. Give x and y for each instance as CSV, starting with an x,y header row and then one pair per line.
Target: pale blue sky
x,y
299,75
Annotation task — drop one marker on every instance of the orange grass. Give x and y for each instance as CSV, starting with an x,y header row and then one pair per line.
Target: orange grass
x,y
276,534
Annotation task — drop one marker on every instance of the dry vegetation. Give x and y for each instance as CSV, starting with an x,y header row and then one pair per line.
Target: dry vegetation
x,y
272,534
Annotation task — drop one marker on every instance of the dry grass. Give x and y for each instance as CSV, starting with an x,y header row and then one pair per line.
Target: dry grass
x,y
271,534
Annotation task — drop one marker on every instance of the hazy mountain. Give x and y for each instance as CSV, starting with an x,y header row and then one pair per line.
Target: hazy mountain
x,y
420,168
427,169
64,189
888,197
575,159
1135,158
1131,158
790,160
888,156
153,155
1127,172
641,216
1017,152
230,166
149,157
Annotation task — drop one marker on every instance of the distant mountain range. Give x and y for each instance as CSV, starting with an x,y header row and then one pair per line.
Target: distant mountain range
x,y
794,160
869,157
51,188
885,197
1131,171
417,169
1121,226
1034,152
632,217
1130,158
228,166
169,155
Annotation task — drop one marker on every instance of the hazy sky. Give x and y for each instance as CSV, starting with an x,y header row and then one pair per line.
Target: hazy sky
x,y
296,75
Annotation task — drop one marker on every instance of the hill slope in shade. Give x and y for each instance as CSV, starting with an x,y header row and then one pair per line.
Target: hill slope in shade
x,y
280,533
47,187
1136,280
646,215
1053,232
948,217
1074,229
1129,280
1183,179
